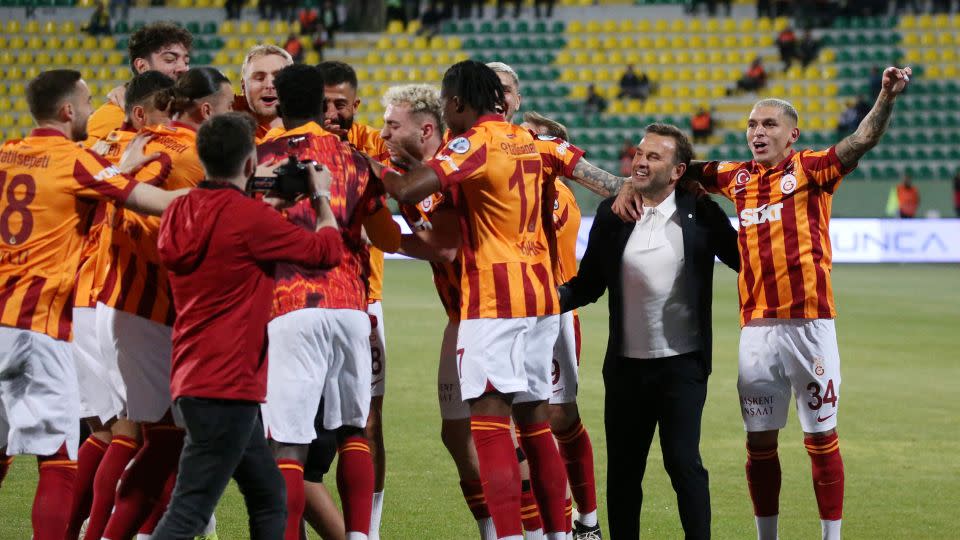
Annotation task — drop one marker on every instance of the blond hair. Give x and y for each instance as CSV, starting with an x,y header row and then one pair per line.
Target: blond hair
x,y
264,50
500,67
421,98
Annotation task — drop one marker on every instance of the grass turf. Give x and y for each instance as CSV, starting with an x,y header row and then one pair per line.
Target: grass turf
x,y
899,439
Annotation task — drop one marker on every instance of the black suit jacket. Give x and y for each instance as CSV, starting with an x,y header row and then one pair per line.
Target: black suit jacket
x,y
706,233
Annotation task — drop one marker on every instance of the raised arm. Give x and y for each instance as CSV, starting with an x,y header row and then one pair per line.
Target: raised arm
x,y
595,179
874,125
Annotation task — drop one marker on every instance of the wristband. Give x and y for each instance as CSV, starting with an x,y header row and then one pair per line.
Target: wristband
x,y
317,195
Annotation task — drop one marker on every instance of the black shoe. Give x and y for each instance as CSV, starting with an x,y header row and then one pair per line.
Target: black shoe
x,y
582,532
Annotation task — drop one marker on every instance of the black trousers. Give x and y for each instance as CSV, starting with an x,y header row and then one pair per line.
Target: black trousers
x,y
224,439
640,395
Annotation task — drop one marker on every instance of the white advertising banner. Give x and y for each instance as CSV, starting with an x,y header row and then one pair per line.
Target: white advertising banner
x,y
862,240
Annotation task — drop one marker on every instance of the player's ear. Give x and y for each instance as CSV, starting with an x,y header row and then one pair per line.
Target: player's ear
x,y
426,131
794,134
67,111
206,110
138,115
141,65
356,105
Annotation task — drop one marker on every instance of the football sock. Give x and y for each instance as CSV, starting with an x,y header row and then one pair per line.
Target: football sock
x,y
115,460
51,505
375,514
499,472
529,510
763,481
88,460
827,467
355,483
577,453
292,471
547,475
142,484
5,462
473,495
568,513
160,507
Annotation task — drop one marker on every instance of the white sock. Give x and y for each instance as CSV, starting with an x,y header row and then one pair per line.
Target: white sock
x,y
557,536
211,525
487,530
589,519
534,535
767,527
356,536
375,514
830,529
570,535
514,537
143,536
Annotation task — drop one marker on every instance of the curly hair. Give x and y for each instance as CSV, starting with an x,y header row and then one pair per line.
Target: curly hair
x,y
422,99
153,37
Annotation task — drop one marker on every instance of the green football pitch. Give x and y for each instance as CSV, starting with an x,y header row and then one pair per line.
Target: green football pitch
x,y
898,333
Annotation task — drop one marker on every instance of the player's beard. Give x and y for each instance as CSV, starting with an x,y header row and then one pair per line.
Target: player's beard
x,y
343,123
78,131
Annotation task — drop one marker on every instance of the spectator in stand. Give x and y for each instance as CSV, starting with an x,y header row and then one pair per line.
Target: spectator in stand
x,y
548,3
908,198
787,43
626,157
808,49
595,103
99,24
754,78
294,47
430,21
849,120
234,9
634,86
396,11
309,21
329,22
956,192
702,125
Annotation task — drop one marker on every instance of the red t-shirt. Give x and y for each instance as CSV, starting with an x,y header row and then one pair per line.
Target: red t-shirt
x,y
221,249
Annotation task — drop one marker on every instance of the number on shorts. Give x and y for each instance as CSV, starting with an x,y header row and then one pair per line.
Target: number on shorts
x,y
829,395
17,203
460,362
377,362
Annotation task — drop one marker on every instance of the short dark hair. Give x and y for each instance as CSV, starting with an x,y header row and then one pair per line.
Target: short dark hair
x,y
47,91
144,87
197,83
299,91
224,141
684,152
153,37
335,72
475,84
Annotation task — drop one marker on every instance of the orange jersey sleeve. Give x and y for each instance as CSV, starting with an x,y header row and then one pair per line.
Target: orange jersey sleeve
x,y
103,120
48,189
136,282
784,233
566,223
559,157
495,176
368,140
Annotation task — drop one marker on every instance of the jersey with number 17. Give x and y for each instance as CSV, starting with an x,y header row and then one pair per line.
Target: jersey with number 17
x,y
494,174
48,189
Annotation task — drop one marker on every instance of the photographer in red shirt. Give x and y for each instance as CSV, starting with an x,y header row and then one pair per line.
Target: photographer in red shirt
x,y
221,248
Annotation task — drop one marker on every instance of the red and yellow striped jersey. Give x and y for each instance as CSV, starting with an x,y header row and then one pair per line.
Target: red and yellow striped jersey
x,y
48,187
494,174
784,236
357,200
136,282
560,157
105,119
446,276
95,259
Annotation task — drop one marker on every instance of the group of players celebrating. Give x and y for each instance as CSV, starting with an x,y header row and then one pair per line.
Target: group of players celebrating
x,y
102,319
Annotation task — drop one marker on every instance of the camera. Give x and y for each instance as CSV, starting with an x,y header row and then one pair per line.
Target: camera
x,y
292,179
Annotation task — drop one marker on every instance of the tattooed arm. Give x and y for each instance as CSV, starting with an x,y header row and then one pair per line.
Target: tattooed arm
x,y
874,125
596,180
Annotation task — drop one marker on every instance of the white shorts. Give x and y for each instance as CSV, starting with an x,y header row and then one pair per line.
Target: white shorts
x,y
566,360
378,350
101,387
510,356
39,400
316,353
452,406
142,349
777,355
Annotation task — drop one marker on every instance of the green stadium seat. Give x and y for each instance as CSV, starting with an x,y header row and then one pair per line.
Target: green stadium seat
x,y
559,27
193,27
209,28
503,27
540,27
486,27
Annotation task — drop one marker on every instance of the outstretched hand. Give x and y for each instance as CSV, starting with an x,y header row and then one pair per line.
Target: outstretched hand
x,y
895,80
133,158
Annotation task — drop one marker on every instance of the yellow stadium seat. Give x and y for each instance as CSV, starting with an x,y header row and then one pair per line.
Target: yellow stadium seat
x,y
596,58
34,42
634,107
661,42
729,41
678,42
232,44
564,58
946,39
610,43
17,89
379,75
104,74
928,56
632,57
228,27
575,26
13,26
718,92
649,58
661,26
454,42
780,23
950,71
86,73
616,107
616,58
678,25
765,40
115,58
911,39
747,25
695,26
576,43
948,55
281,28
592,42
42,58
695,41
815,123
238,58
934,72
713,26
681,58
748,41
734,57
443,58
828,55
642,26
644,42
32,27
420,43
244,28
925,22
908,22
627,26
608,26
928,39
68,27
413,27
251,42
60,58
262,27
713,42
17,43
701,92
432,75
90,43
408,58
25,121
221,58
728,26
593,27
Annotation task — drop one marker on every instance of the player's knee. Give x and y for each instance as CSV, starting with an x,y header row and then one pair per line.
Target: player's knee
x,y
563,417
288,451
762,439
821,434
345,432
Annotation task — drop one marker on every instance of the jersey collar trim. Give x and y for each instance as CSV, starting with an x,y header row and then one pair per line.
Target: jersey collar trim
x,y
758,168
179,124
47,132
491,118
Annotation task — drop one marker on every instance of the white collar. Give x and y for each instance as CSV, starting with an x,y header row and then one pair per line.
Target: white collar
x,y
668,206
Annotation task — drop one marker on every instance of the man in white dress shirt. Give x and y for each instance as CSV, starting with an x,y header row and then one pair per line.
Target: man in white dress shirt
x,y
659,271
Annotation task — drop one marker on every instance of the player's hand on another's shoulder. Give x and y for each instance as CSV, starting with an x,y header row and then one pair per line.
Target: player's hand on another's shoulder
x,y
134,158
895,80
628,206
117,96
